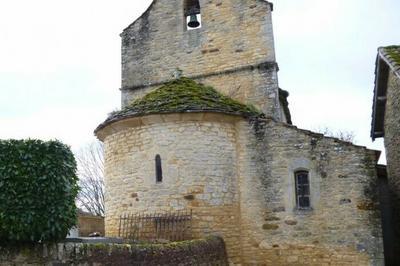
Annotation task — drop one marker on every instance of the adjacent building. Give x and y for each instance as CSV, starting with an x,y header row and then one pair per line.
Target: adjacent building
x,y
386,124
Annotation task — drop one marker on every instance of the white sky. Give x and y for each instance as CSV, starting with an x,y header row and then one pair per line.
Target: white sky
x,y
60,63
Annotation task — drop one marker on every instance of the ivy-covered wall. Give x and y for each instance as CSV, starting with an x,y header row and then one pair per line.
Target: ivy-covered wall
x,y
210,251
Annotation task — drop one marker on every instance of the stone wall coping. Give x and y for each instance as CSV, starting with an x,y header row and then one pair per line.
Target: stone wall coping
x,y
91,217
208,251
95,240
320,136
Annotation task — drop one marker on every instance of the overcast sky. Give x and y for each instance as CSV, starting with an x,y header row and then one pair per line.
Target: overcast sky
x,y
60,63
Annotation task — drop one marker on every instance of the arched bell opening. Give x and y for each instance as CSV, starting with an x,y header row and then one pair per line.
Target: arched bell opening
x,y
192,14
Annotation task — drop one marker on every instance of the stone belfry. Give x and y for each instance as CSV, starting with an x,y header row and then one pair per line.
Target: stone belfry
x,y
230,46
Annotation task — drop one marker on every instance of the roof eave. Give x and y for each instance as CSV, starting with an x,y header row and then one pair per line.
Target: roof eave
x,y
379,102
110,122
383,55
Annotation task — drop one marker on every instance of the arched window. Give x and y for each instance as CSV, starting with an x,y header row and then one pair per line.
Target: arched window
x,y
302,190
192,14
159,177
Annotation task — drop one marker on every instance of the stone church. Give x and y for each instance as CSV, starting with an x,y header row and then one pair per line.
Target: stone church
x,y
204,126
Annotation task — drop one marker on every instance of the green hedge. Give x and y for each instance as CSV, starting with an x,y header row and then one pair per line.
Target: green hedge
x,y
38,186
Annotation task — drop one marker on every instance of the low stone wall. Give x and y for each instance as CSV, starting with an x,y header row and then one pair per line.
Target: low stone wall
x,y
210,251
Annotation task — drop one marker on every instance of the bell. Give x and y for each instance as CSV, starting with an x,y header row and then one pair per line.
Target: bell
x,y
193,23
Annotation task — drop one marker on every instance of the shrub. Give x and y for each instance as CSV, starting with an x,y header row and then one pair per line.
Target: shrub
x,y
38,186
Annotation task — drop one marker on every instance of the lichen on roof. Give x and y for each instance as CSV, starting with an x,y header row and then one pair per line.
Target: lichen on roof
x,y
393,54
183,96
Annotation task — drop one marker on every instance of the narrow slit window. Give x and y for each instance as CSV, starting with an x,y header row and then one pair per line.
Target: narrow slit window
x,y
302,190
159,176
192,14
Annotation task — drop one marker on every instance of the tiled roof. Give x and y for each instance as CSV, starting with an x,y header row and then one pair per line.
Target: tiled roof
x,y
182,96
388,60
391,54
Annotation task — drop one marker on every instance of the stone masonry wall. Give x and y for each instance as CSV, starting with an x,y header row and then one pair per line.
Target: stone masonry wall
x,y
234,49
210,251
198,153
392,144
342,228
238,178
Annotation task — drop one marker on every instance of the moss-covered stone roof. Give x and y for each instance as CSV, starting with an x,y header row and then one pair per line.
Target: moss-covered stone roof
x,y
182,96
392,56
393,52
388,59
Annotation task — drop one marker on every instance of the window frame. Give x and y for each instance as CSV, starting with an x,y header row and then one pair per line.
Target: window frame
x,y
305,188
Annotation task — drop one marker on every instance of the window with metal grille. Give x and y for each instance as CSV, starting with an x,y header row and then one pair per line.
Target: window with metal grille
x,y
159,176
302,190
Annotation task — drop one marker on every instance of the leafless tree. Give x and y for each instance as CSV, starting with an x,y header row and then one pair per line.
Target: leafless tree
x,y
347,136
90,162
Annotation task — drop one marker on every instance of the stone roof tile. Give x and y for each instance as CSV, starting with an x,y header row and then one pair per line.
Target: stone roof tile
x,y
388,59
391,54
182,96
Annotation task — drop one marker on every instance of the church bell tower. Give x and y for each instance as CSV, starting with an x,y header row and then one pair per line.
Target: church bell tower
x,y
225,44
